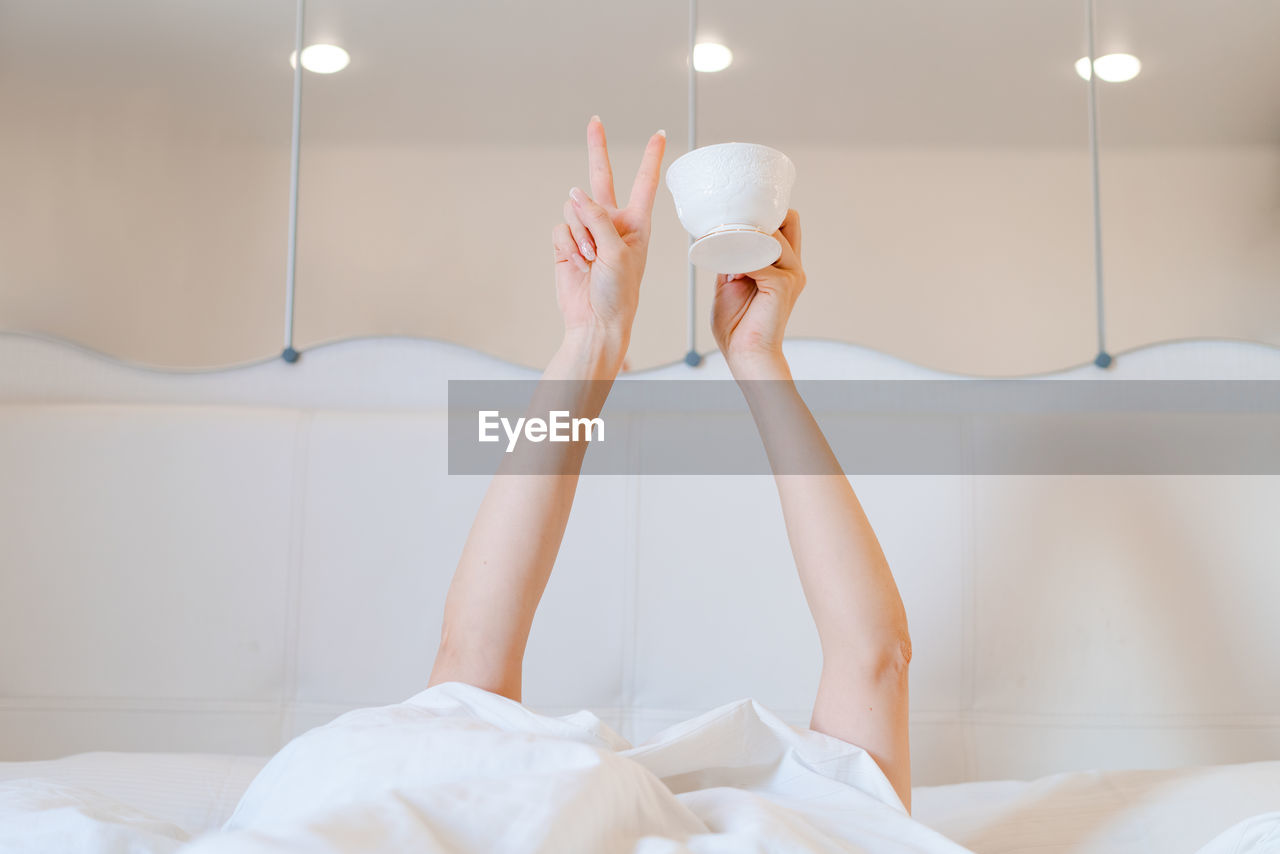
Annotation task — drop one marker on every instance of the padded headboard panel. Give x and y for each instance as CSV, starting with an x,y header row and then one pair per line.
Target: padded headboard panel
x,y
218,561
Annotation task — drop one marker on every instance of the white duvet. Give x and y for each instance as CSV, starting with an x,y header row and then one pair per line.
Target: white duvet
x,y
456,769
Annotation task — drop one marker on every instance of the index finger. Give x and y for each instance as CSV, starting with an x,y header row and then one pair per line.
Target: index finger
x,y
600,172
789,255
790,229
647,177
788,259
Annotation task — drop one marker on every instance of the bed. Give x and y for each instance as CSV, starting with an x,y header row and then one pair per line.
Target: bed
x,y
201,566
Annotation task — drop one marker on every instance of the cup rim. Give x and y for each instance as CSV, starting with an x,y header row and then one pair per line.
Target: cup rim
x,y
688,154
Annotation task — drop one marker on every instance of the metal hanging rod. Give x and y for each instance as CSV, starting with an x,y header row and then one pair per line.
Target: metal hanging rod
x,y
1103,359
691,357
289,354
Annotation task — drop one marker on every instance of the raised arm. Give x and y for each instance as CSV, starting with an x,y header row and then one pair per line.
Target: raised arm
x,y
600,254
862,625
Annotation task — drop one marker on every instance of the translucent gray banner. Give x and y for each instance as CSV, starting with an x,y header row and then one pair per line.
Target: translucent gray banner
x,y
1021,427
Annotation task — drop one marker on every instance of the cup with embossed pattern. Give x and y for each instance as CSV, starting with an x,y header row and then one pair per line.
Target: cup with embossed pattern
x,y
732,197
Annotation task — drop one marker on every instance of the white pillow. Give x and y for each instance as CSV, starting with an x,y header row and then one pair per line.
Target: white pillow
x,y
1257,835
39,816
195,791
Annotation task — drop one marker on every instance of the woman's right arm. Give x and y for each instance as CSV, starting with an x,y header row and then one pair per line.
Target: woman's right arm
x,y
507,560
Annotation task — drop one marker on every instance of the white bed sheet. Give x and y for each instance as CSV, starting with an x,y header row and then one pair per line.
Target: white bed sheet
x,y
1123,812
459,770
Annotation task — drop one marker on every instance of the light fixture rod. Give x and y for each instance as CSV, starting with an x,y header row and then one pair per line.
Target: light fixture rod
x,y
1103,358
691,357
289,354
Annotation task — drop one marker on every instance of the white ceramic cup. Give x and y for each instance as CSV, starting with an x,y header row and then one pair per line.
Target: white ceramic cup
x,y
732,197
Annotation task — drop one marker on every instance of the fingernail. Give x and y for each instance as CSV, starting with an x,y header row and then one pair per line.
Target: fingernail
x,y
587,251
577,196
595,118
662,133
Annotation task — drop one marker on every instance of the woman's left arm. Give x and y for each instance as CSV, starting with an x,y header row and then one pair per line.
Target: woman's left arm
x,y
862,624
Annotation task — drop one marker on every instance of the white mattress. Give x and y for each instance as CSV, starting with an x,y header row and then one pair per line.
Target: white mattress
x,y
1123,812
1103,812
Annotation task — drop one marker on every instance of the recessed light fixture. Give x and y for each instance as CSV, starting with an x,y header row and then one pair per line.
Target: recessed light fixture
x,y
710,56
1113,68
321,58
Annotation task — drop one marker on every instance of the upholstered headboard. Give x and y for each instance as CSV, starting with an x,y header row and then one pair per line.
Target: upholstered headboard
x,y
217,561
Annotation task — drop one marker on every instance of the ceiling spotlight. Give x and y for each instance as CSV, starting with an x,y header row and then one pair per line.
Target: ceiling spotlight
x,y
1113,68
321,58
709,56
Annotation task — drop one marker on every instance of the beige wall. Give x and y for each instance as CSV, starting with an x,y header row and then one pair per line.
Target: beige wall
x,y
133,237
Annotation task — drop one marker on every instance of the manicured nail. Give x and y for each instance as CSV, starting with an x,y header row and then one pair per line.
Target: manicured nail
x,y
587,251
662,133
577,196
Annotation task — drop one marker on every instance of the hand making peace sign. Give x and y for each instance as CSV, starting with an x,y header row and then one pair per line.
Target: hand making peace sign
x,y
600,248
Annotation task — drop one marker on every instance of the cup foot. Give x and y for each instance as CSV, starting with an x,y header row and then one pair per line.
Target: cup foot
x,y
734,249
